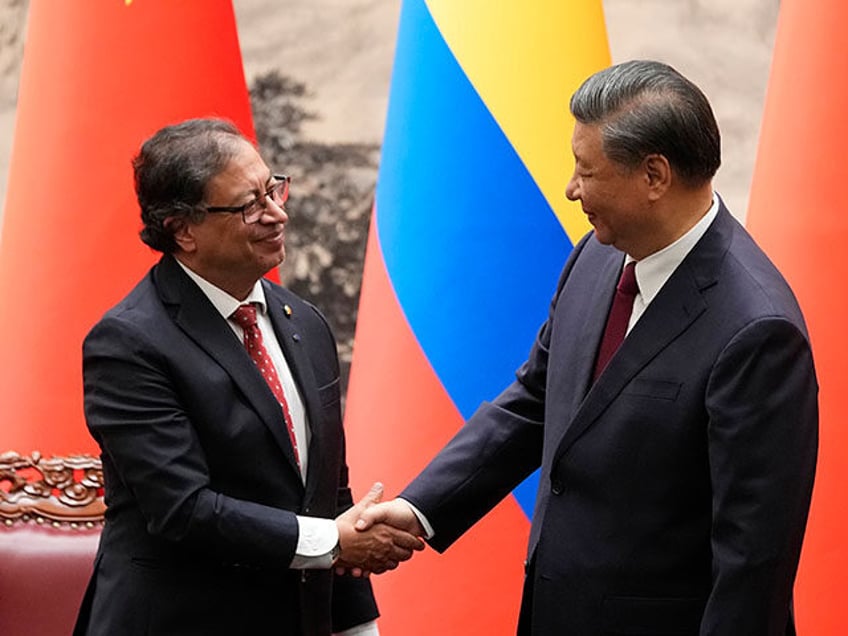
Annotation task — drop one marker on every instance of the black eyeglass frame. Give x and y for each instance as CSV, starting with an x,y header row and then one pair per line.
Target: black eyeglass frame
x,y
282,181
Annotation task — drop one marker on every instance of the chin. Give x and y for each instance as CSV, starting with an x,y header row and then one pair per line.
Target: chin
x,y
603,238
267,264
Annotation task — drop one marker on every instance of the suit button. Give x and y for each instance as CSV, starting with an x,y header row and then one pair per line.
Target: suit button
x,y
557,487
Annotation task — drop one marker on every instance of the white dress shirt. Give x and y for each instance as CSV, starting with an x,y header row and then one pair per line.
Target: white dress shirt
x,y
653,271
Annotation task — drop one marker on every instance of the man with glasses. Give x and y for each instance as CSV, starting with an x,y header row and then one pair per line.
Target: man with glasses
x,y
214,396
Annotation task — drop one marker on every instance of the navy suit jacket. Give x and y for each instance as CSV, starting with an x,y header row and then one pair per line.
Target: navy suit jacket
x,y
674,491
202,486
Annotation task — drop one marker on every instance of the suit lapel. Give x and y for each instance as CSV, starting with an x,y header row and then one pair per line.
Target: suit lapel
x,y
286,325
668,316
197,317
598,305
677,305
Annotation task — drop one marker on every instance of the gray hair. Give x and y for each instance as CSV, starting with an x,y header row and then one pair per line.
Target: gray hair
x,y
172,170
646,107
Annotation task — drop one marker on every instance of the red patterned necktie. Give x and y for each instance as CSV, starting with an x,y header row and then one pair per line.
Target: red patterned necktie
x,y
245,317
619,317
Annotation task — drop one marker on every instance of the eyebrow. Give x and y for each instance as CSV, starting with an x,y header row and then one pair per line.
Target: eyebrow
x,y
253,192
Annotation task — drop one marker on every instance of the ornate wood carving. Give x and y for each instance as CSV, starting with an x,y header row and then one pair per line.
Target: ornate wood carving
x,y
59,490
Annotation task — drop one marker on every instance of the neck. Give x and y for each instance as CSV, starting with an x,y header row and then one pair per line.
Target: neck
x,y
238,289
677,213
689,207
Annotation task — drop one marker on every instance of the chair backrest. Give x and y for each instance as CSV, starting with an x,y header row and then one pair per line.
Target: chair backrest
x,y
51,514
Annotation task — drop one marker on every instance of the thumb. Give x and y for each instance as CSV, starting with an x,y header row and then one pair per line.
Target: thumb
x,y
368,517
375,495
366,507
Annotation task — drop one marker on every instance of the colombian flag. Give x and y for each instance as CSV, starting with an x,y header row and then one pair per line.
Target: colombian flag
x,y
470,231
799,214
98,77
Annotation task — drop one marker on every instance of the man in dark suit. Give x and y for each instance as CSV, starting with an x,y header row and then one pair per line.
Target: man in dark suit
x,y
676,470
214,396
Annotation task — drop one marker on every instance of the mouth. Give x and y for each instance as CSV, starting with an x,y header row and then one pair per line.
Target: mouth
x,y
274,232
273,237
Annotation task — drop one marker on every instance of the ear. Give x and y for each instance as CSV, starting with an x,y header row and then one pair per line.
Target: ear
x,y
657,175
182,232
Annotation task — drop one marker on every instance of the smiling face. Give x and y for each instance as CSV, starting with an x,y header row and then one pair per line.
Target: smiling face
x,y
616,200
222,248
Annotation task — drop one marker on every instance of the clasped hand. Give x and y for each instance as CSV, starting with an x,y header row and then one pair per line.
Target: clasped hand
x,y
376,537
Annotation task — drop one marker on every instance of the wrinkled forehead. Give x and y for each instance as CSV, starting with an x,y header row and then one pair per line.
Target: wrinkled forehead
x,y
244,173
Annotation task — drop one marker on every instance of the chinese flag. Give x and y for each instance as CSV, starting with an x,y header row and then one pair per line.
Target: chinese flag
x,y
97,79
799,214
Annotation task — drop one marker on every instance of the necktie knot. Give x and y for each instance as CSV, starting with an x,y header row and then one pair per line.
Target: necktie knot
x,y
245,316
627,283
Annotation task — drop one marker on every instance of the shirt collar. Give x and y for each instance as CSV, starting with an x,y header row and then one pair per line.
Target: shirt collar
x,y
222,301
653,271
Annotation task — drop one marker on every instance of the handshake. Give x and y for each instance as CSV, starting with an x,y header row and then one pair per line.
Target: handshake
x,y
375,537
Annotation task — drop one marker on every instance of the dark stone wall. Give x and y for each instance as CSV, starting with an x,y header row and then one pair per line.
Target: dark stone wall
x,y
332,196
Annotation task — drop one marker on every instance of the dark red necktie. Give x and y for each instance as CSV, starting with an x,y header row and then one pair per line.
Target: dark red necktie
x,y
245,317
619,317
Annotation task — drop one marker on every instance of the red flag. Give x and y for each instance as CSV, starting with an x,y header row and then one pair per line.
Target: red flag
x,y
97,79
799,214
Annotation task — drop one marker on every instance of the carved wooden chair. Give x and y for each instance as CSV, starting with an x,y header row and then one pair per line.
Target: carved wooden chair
x,y
51,514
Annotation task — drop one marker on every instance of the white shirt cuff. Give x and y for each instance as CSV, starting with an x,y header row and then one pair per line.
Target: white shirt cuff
x,y
316,539
366,629
428,529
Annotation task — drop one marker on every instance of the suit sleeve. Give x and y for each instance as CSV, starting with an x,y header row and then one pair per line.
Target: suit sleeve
x,y
154,453
499,446
763,437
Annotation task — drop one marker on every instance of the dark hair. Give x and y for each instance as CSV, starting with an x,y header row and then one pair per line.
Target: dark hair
x,y
172,170
646,107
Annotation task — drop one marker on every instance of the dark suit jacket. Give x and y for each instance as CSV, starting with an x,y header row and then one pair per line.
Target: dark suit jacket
x,y
202,486
674,492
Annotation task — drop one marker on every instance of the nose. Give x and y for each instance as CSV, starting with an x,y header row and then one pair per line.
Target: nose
x,y
572,190
275,211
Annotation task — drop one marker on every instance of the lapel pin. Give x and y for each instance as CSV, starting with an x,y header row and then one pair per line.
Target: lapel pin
x,y
296,337
287,311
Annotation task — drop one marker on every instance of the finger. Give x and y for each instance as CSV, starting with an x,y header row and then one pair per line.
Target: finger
x,y
398,553
370,516
351,571
402,538
408,541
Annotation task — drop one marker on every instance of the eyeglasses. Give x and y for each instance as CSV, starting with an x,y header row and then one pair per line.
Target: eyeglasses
x,y
252,211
